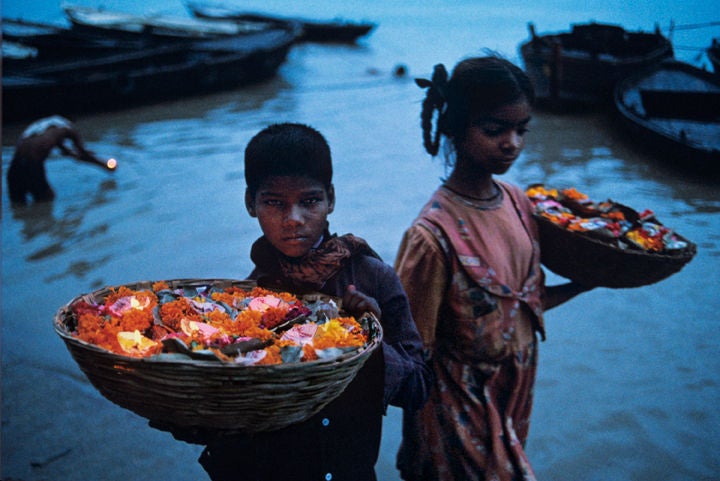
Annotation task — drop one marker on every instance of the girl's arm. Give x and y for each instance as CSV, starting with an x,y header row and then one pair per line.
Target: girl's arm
x,y
561,293
407,376
423,271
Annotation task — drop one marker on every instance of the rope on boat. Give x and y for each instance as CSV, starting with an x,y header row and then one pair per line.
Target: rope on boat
x,y
692,26
690,48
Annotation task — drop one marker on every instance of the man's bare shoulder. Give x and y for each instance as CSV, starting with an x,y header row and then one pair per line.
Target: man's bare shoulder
x,y
41,126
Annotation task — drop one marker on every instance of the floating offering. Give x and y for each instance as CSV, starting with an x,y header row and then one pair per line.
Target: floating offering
x,y
604,243
215,323
111,164
216,354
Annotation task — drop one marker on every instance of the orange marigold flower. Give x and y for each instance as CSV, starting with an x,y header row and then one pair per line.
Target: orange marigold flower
x,y
231,300
218,318
273,356
115,294
576,227
258,333
175,311
309,353
274,316
560,218
222,321
647,242
237,291
160,286
614,215
136,319
248,319
247,323
573,194
145,299
541,191
99,331
285,296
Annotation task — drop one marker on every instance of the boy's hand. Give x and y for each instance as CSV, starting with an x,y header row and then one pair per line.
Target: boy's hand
x,y
357,303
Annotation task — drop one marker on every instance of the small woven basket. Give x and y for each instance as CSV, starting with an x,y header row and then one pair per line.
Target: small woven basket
x,y
597,263
209,395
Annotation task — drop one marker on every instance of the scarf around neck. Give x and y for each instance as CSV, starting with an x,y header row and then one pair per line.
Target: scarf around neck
x,y
312,270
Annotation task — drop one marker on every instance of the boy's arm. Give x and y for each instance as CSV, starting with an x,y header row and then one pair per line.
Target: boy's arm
x,y
407,377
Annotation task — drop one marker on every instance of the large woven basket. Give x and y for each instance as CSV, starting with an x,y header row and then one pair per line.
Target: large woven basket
x,y
597,263
209,395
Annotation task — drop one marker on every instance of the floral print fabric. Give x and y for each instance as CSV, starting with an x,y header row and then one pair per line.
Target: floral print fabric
x,y
479,336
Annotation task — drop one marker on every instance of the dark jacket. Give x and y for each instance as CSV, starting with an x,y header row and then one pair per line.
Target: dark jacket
x,y
341,442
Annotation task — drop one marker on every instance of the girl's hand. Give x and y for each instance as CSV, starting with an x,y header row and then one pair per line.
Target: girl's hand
x,y
357,303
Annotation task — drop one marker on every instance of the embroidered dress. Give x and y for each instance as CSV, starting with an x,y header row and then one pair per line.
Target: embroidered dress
x,y
472,274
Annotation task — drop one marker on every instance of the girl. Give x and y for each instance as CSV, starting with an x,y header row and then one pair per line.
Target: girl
x,y
470,264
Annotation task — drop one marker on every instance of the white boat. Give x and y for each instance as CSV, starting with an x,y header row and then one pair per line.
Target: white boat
x,y
128,24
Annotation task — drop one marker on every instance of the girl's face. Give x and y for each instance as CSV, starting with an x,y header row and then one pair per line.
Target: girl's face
x,y
292,212
494,141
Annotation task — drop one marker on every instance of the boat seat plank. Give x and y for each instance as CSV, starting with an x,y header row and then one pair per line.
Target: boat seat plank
x,y
681,104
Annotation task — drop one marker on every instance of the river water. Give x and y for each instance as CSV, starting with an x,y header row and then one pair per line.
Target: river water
x,y
627,386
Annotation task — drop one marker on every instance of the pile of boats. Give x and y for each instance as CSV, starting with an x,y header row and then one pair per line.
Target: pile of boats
x,y
106,60
312,30
671,106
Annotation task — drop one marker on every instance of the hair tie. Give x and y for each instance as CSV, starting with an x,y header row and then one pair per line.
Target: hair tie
x,y
437,85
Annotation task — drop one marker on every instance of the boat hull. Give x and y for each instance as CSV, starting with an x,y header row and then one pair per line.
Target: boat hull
x,y
311,30
673,108
713,54
582,66
146,76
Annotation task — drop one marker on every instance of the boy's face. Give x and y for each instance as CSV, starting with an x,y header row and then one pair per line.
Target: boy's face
x,y
292,212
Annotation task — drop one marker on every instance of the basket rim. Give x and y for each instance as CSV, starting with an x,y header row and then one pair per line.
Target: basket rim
x,y
60,329
685,254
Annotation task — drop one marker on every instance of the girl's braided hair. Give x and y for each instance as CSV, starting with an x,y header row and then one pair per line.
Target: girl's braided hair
x,y
478,85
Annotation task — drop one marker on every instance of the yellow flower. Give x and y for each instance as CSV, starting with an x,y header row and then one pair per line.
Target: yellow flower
x,y
134,342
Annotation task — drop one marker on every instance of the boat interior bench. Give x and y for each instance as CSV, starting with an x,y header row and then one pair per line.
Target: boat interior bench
x,y
690,105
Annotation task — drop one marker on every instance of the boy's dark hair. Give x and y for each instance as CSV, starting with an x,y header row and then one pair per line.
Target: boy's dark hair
x,y
478,85
287,149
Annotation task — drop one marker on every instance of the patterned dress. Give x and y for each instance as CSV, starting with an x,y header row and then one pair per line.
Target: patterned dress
x,y
472,274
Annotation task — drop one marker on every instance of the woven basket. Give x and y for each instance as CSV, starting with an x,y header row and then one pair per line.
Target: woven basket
x,y
597,263
218,396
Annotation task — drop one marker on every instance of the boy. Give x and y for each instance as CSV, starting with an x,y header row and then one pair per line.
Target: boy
x,y
288,171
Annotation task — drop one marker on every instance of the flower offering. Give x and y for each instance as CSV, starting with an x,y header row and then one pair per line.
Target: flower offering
x,y
606,220
234,325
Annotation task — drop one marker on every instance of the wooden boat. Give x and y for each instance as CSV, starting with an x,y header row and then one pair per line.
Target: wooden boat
x,y
53,41
674,108
130,26
713,54
164,71
14,53
312,30
582,66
